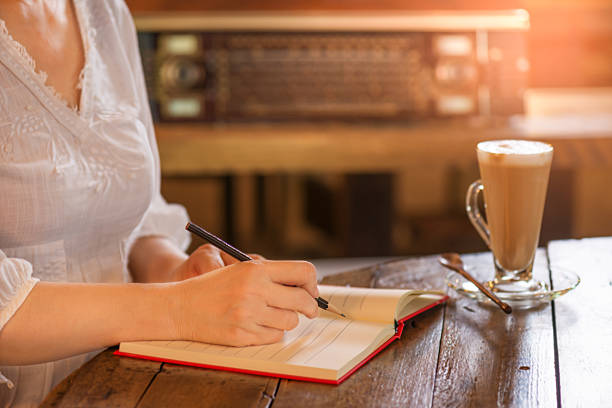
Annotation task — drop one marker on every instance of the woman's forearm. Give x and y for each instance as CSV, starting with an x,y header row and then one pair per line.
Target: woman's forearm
x,y
246,303
58,320
153,259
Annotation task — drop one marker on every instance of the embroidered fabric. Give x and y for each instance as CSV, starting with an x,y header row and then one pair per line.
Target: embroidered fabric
x,y
77,188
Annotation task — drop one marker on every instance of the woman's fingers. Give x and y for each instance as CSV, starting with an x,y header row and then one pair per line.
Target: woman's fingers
x,y
294,273
292,299
243,303
267,335
230,260
278,318
205,259
227,258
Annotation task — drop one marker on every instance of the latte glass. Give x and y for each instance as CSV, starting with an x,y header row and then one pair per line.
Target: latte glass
x,y
514,178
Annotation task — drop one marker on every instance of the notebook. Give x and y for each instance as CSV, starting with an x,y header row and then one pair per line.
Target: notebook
x,y
327,349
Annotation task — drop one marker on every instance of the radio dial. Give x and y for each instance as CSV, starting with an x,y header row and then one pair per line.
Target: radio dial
x,y
182,73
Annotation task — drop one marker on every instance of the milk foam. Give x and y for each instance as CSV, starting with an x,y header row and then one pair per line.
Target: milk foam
x,y
515,152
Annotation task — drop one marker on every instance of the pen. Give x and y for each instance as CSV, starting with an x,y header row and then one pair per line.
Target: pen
x,y
241,256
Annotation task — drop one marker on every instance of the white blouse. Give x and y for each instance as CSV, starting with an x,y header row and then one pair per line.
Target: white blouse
x,y
76,187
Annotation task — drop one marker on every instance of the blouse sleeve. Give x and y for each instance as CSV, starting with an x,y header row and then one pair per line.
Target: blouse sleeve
x,y
16,282
161,219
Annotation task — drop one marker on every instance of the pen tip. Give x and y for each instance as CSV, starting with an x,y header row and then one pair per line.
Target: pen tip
x,y
342,314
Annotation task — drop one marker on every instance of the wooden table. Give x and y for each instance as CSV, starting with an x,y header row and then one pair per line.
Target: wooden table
x,y
461,354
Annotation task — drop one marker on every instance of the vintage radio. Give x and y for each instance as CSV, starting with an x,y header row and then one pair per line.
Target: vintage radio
x,y
404,66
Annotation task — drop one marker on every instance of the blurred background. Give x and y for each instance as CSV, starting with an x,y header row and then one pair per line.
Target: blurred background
x,y
314,129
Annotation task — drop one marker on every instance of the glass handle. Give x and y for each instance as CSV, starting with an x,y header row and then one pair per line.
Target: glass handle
x,y
471,207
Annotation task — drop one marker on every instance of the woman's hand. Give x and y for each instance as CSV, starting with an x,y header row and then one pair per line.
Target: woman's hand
x,y
158,259
245,303
205,259
241,304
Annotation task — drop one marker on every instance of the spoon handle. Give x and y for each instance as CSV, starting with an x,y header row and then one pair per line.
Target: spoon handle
x,y
504,306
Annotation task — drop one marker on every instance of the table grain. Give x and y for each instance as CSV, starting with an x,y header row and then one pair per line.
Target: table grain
x,y
461,354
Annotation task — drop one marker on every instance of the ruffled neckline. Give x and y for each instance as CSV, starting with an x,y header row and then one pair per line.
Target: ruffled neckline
x,y
27,61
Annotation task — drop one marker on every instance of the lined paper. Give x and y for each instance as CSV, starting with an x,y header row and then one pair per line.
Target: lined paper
x,y
324,347
314,342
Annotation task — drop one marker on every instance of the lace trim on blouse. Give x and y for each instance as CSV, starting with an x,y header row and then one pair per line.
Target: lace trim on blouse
x,y
8,312
87,35
19,282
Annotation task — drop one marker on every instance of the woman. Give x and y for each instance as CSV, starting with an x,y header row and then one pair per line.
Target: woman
x,y
81,213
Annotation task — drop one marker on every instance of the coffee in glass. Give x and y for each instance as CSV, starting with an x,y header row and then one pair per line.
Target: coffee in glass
x,y
514,178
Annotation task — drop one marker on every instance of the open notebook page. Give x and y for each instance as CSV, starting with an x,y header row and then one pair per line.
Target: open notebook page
x,y
378,305
324,347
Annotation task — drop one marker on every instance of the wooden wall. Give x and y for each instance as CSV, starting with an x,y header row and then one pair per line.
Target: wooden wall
x,y
569,46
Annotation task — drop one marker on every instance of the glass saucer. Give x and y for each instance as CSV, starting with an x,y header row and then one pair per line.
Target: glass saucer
x,y
563,281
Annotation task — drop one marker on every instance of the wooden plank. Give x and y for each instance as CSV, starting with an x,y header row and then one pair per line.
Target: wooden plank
x,y
244,211
491,359
105,381
402,374
195,149
181,386
592,203
303,147
328,21
584,322
568,101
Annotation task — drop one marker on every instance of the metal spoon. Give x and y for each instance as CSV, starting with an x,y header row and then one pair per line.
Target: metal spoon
x,y
452,260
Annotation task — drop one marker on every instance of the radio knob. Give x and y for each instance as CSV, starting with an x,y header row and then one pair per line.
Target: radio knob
x,y
182,73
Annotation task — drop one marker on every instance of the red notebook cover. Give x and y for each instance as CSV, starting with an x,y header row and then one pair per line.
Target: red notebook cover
x,y
398,333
